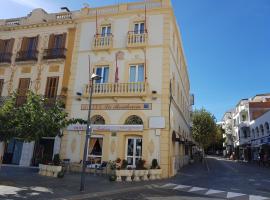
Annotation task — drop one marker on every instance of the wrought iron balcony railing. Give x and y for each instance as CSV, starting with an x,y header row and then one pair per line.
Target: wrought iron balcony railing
x,y
27,55
103,42
5,57
117,89
54,53
135,39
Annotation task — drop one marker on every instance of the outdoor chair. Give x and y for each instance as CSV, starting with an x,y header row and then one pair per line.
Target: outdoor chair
x,y
100,169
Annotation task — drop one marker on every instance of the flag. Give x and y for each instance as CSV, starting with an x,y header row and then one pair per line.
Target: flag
x,y
116,78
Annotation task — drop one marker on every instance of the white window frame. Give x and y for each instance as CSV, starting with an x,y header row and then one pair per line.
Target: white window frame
x,y
102,73
134,150
95,156
137,72
106,30
139,27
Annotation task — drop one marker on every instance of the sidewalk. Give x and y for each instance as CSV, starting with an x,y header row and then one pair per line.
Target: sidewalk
x,y
25,183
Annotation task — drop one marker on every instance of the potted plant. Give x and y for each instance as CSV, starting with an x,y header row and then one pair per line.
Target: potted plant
x,y
155,171
51,169
117,171
126,171
141,172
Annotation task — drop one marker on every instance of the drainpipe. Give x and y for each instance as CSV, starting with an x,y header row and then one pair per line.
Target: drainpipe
x,y
170,103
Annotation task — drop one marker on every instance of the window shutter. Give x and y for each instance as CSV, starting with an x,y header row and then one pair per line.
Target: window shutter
x,y
64,36
1,86
10,45
51,41
51,87
24,45
35,43
24,84
2,46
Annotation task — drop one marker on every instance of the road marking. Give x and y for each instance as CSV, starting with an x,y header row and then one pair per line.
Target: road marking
x,y
213,192
169,185
253,197
195,189
181,187
234,194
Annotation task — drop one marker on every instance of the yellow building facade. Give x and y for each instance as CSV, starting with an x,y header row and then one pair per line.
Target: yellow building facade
x,y
141,104
35,54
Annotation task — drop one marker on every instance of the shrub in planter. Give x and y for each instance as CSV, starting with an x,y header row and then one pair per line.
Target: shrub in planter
x,y
155,170
56,160
60,174
112,177
140,171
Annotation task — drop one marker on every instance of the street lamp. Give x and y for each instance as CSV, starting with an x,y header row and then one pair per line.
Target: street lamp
x,y
88,130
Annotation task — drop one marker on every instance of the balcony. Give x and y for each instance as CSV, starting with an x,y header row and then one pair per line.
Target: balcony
x,y
30,55
5,57
55,53
136,89
135,40
102,42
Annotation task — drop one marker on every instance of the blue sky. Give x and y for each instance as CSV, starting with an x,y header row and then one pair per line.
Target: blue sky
x,y
226,43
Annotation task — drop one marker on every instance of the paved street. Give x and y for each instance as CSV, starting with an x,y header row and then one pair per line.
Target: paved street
x,y
216,179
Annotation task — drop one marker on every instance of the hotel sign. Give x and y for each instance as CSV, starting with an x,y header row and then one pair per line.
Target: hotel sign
x,y
118,106
107,128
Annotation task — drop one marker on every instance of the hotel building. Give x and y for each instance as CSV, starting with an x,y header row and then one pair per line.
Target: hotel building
x,y
141,105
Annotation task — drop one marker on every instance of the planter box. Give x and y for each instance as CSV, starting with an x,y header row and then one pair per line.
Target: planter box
x,y
140,175
49,170
155,174
123,173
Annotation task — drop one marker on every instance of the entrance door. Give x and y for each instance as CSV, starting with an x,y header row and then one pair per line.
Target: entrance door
x,y
133,150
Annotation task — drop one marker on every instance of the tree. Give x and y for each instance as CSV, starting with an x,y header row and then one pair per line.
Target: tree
x,y
204,127
35,119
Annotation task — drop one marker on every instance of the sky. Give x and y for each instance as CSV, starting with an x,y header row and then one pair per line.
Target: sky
x,y
226,44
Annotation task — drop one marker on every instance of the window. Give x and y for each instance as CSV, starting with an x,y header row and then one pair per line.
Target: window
x,y
95,150
258,132
139,28
134,119
97,119
23,88
103,72
136,73
133,150
105,30
1,86
28,49
56,46
6,47
51,87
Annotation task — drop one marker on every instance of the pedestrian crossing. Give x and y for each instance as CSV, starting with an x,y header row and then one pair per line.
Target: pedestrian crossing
x,y
212,192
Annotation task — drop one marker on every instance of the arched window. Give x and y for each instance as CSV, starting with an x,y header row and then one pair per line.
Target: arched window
x,y
97,119
258,132
134,119
267,127
262,129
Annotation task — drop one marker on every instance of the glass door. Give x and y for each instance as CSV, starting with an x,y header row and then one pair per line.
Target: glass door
x,y
133,150
139,28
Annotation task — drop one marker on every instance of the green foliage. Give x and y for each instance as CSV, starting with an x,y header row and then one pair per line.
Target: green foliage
x,y
60,174
112,177
204,127
32,120
124,164
56,160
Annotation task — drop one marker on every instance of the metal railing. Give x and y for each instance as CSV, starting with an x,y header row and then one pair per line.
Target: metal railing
x,y
5,57
54,53
135,39
117,89
27,55
102,41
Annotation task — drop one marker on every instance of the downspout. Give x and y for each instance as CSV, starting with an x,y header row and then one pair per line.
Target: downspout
x,y
170,103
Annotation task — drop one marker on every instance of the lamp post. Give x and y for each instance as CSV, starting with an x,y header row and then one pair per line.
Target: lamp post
x,y
88,130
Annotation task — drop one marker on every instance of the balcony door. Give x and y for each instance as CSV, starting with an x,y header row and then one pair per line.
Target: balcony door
x,y
139,28
136,73
105,30
103,72
1,86
133,150
23,88
51,87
